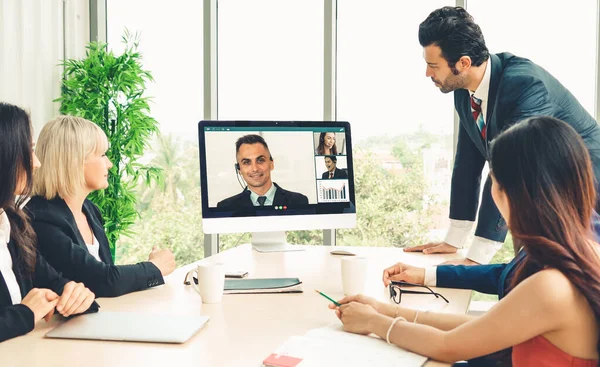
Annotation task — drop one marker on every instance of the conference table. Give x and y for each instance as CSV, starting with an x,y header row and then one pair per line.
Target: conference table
x,y
245,328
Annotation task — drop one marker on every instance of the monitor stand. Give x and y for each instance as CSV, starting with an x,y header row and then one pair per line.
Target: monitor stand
x,y
272,242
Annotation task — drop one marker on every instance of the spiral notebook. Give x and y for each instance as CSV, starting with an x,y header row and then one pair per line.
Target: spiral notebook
x,y
263,285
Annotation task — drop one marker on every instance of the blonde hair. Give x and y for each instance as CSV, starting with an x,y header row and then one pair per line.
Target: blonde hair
x,y
62,148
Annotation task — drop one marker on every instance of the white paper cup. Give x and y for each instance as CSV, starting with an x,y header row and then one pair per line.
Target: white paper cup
x,y
354,274
211,282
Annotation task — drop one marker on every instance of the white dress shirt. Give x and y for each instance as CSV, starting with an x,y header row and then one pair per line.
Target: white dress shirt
x,y
482,250
6,264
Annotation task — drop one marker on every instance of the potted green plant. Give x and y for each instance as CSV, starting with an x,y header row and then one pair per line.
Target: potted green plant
x,y
108,89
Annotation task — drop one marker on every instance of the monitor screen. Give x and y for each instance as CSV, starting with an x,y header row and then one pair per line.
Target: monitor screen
x,y
259,176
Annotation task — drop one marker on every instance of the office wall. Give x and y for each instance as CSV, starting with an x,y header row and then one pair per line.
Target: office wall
x,y
34,37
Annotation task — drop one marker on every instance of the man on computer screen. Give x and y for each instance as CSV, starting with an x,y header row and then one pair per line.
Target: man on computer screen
x,y
332,170
254,164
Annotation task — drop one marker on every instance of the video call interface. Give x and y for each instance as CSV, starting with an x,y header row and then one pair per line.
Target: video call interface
x,y
305,165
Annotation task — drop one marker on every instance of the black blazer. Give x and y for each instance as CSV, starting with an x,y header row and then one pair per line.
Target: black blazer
x,y
338,173
60,242
518,89
18,319
242,202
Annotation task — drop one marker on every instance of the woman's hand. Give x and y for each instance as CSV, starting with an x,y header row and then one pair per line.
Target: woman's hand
x,y
163,259
41,302
357,317
403,272
360,298
75,299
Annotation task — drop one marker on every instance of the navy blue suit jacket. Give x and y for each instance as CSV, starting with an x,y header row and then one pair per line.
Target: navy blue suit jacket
x,y
490,279
518,89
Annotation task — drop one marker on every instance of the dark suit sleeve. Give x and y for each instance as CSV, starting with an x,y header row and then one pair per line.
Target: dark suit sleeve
x,y
325,175
480,278
78,264
15,320
466,178
46,277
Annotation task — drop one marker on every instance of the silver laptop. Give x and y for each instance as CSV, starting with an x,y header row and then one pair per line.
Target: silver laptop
x,y
130,326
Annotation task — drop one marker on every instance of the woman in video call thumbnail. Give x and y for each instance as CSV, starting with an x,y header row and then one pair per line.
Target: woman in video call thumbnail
x,y
326,144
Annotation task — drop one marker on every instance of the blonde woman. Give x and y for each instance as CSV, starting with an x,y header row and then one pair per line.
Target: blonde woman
x,y
70,227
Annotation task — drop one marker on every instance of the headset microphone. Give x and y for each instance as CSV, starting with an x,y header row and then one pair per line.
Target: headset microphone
x,y
237,175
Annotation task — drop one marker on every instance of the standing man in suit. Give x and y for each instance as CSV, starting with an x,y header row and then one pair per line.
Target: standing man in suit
x,y
332,170
254,164
491,92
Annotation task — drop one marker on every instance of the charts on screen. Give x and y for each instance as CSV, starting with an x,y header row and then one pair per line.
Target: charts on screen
x,y
333,191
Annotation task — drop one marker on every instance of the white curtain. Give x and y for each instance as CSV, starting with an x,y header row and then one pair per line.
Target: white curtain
x,y
35,35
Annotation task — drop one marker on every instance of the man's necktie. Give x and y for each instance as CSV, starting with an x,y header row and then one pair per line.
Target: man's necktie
x,y
477,115
330,174
261,200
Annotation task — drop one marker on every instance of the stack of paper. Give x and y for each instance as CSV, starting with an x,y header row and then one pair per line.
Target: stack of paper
x,y
264,285
332,346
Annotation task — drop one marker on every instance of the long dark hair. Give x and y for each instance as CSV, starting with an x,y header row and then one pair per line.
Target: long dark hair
x,y
16,161
321,146
545,170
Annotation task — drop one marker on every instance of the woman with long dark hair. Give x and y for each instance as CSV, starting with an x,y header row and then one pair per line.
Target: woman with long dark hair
x,y
543,185
326,144
30,288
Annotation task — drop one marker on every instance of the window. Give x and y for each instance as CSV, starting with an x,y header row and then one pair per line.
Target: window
x,y
559,37
402,126
270,59
171,46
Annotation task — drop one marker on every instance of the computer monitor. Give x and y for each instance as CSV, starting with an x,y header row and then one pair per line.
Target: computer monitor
x,y
268,177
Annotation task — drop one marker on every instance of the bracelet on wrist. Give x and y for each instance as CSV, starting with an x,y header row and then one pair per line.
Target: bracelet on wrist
x,y
387,336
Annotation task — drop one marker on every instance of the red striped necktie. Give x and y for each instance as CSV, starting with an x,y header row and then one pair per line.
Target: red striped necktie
x,y
477,115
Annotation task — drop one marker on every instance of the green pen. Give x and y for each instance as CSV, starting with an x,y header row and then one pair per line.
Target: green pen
x,y
329,298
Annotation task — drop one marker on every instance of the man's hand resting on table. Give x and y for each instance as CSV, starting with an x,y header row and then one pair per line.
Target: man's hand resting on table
x,y
441,248
433,248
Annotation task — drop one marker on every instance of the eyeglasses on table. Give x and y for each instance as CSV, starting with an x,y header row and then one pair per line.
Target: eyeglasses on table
x,y
398,288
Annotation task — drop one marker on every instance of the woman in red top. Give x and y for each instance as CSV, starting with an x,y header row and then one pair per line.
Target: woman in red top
x,y
543,185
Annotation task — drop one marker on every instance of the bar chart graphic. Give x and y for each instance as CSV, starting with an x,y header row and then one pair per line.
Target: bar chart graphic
x,y
333,191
